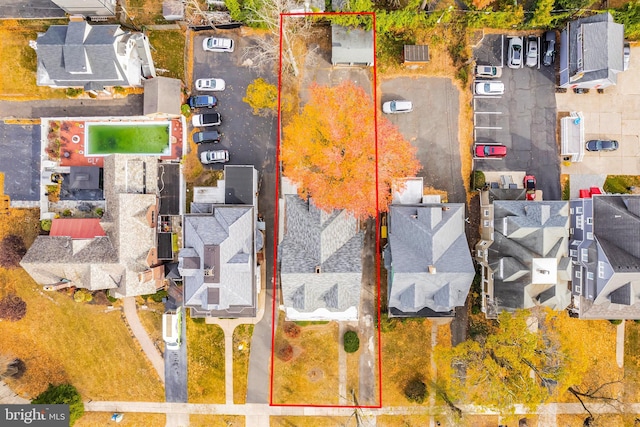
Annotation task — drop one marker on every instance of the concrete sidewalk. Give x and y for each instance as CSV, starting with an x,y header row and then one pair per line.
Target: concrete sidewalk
x,y
131,313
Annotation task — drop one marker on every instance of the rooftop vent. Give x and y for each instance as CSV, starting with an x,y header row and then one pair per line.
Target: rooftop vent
x,y
432,269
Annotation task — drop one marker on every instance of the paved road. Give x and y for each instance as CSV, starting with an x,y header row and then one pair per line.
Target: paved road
x,y
129,106
131,313
432,128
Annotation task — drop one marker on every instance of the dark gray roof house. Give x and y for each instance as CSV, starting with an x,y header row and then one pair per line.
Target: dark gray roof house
x,y
218,262
90,8
523,255
92,56
591,52
605,253
321,262
428,260
351,46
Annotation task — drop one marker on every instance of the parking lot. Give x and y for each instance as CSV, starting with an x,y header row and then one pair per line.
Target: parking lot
x,y
523,118
614,114
432,127
21,162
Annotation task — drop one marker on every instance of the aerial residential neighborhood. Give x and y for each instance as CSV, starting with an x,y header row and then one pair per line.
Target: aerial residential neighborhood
x,y
283,213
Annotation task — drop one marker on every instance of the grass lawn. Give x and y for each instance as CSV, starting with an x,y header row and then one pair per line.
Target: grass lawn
x,y
133,419
403,420
127,139
632,362
311,421
169,52
205,362
406,352
241,347
311,376
620,183
18,76
151,320
609,420
146,12
201,420
61,340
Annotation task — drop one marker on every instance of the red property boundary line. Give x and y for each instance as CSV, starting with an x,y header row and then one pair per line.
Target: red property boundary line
x,y
276,216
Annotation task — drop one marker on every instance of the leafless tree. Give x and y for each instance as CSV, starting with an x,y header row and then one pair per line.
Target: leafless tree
x,y
267,49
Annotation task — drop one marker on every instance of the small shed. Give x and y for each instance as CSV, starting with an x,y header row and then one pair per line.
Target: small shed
x,y
351,46
572,136
415,54
173,10
162,97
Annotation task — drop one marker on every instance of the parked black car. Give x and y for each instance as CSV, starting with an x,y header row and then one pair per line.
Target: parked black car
x,y
201,101
206,136
549,48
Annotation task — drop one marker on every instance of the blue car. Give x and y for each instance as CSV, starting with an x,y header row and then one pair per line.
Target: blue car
x,y
602,145
201,101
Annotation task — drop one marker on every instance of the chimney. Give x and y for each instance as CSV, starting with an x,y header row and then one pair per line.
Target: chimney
x,y
317,269
432,269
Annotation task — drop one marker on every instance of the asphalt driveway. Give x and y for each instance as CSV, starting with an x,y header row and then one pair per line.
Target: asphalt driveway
x,y
175,369
432,127
20,161
523,119
128,106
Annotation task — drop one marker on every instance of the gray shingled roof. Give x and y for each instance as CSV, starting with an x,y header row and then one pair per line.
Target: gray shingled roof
x,y
421,236
79,47
228,232
602,44
525,230
162,95
331,242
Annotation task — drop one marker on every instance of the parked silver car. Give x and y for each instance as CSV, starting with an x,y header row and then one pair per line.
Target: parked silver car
x,y
532,51
214,156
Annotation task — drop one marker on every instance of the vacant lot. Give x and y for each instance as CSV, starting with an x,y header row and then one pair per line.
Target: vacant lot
x,y
18,76
310,421
406,353
205,362
311,376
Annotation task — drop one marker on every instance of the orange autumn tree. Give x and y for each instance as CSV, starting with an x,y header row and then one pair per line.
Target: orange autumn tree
x,y
329,151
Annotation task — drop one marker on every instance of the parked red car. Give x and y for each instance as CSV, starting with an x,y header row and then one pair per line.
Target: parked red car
x,y
490,150
530,186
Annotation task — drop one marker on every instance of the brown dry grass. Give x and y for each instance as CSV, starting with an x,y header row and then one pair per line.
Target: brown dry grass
x,y
479,421
241,338
216,420
205,362
132,419
353,374
151,320
311,377
192,166
61,340
18,75
169,52
632,362
406,352
145,12
403,420
310,421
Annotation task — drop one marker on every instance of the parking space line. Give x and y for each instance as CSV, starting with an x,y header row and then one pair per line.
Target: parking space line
x,y
488,127
488,112
487,96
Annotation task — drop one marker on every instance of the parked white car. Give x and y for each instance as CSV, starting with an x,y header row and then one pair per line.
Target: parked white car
x,y
218,44
210,84
489,88
395,107
532,51
488,71
515,52
214,156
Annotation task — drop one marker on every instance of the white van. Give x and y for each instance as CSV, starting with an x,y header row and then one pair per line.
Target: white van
x,y
171,329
